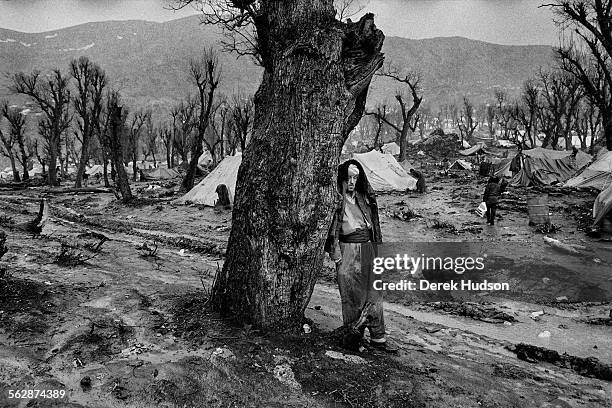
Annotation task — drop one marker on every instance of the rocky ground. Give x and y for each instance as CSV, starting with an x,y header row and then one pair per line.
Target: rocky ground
x,y
125,324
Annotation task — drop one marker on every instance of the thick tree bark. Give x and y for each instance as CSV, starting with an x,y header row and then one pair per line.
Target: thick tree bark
x,y
117,156
16,176
313,93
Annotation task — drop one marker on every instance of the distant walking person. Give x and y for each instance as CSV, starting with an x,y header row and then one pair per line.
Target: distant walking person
x,y
491,197
355,225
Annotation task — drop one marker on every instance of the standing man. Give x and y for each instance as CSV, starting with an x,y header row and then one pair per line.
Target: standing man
x,y
491,195
354,228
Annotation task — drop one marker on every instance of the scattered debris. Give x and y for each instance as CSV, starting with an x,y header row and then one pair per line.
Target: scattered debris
x,y
544,335
405,214
148,249
69,256
285,375
547,228
488,314
561,298
307,328
588,367
572,249
222,353
345,357
536,315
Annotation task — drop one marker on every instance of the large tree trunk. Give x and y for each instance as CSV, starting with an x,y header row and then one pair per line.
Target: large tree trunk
x,y
52,177
403,136
116,151
16,176
315,82
83,161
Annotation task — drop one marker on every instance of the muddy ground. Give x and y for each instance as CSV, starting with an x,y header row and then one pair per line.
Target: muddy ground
x,y
127,325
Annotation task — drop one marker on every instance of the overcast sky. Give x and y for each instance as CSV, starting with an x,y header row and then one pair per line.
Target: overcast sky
x,y
496,21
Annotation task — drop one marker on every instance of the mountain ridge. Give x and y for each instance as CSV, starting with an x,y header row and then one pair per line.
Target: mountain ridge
x,y
148,60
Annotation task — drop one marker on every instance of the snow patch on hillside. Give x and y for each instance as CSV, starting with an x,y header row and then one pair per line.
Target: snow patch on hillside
x,y
86,47
8,40
119,37
51,36
25,44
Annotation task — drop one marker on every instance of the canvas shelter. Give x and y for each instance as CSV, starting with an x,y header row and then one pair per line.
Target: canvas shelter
x,y
95,170
597,175
384,172
206,191
476,149
460,165
391,148
602,207
501,167
544,167
160,174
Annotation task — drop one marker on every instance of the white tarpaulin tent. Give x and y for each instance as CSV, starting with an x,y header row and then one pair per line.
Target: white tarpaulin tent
x,y
391,148
598,175
95,169
206,191
384,172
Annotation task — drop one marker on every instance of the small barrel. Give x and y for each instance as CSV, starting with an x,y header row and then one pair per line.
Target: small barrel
x,y
538,210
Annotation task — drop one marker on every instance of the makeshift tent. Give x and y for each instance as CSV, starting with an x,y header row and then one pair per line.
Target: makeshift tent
x,y
391,148
505,143
95,169
384,172
160,174
406,165
598,175
461,165
476,149
544,167
501,167
206,191
602,207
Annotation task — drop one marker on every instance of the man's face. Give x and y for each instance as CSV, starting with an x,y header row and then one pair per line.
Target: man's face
x,y
352,182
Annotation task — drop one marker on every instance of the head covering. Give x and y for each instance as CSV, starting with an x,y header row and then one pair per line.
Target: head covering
x,y
353,170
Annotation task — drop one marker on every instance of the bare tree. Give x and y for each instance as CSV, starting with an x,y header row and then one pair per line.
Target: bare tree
x,y
205,73
152,136
88,102
241,120
17,124
559,99
408,118
317,72
503,115
466,124
52,96
7,150
380,118
116,124
348,8
39,151
183,123
591,61
135,126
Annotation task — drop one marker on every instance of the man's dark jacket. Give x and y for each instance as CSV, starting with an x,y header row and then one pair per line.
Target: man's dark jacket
x,y
365,197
